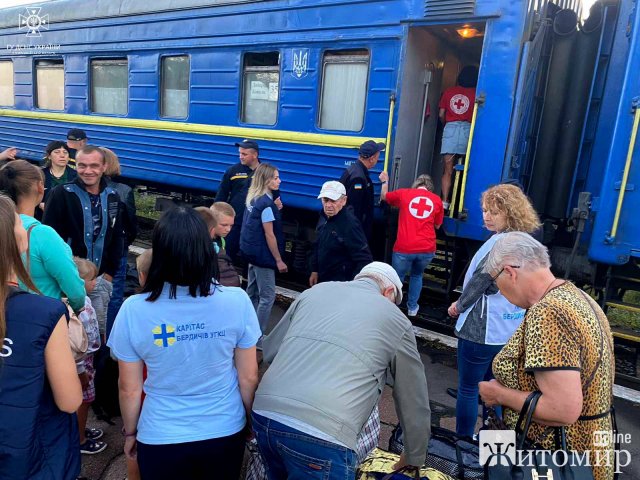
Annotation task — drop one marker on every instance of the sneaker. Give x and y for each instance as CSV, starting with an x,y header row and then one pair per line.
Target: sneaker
x,y
91,447
93,433
412,313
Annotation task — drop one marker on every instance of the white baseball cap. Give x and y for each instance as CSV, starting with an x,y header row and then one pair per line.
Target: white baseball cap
x,y
333,190
387,271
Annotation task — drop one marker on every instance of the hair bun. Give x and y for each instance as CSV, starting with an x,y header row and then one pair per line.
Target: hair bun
x,y
11,172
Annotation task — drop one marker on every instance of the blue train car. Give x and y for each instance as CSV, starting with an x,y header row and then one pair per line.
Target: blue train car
x,y
170,87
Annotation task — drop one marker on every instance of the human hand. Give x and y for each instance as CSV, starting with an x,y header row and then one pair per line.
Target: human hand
x,y
490,391
282,267
278,202
313,279
453,310
84,380
384,176
131,447
9,153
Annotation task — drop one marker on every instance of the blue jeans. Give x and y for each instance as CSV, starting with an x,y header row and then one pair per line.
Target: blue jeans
x,y
117,297
415,263
261,288
289,454
474,366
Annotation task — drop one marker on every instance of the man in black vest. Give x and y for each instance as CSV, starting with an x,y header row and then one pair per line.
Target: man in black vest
x,y
359,186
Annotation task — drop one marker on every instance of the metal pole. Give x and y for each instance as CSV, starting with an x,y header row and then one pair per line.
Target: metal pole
x,y
427,84
392,106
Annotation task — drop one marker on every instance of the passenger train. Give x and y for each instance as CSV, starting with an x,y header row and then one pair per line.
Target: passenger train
x,y
171,85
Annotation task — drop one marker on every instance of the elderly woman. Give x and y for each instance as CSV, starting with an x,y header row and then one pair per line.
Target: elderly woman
x,y
563,348
486,318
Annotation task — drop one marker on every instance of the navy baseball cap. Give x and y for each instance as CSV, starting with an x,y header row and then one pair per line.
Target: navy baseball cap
x,y
76,134
248,144
370,148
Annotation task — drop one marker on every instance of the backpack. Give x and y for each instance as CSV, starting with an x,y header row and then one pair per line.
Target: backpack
x,y
228,274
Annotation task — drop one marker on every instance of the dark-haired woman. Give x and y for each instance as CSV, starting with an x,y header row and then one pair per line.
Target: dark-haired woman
x,y
56,167
50,262
39,387
456,112
197,339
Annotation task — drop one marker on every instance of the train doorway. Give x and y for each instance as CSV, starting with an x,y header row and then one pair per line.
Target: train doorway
x,y
434,57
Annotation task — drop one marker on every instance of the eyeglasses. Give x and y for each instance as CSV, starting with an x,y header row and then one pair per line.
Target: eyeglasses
x,y
495,277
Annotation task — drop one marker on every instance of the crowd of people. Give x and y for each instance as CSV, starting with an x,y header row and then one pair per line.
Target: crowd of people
x,y
186,344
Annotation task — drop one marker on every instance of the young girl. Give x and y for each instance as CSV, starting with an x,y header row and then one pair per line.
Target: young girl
x,y
262,241
89,443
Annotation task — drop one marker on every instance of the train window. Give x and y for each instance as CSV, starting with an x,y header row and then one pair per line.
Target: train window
x,y
261,87
110,86
344,89
6,84
50,84
175,87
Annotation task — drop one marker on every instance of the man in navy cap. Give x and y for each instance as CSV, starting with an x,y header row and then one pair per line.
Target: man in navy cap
x,y
234,187
76,140
359,186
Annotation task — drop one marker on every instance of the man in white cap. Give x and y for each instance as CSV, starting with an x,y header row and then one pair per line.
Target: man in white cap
x,y
341,248
330,356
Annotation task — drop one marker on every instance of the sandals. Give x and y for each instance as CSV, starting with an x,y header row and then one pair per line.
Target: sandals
x,y
91,447
93,433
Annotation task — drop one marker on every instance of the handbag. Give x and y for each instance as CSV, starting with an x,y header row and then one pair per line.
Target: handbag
x,y
537,464
78,339
454,455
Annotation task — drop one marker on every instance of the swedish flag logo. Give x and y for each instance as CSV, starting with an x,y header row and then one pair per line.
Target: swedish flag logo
x,y
164,335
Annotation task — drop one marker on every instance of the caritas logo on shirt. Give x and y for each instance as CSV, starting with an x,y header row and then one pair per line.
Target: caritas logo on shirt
x,y
421,207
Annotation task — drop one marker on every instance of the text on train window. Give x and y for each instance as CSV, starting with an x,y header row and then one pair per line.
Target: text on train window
x,y
6,84
175,87
109,86
344,90
261,86
50,84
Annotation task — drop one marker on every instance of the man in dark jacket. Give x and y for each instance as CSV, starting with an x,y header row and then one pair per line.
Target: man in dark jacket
x,y
86,213
359,186
234,187
341,248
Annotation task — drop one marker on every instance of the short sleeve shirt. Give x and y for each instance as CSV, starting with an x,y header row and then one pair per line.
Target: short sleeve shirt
x,y
458,103
563,332
188,345
420,212
267,215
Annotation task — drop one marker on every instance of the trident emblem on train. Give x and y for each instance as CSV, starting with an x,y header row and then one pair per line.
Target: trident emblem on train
x,y
33,22
300,62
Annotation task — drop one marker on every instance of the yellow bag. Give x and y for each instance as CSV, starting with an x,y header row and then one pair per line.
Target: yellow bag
x,y
380,463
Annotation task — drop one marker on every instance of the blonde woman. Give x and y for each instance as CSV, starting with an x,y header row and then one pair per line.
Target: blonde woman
x,y
262,241
486,319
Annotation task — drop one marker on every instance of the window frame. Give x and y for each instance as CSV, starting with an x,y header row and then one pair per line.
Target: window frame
x,y
161,86
259,69
58,61
328,53
90,95
13,82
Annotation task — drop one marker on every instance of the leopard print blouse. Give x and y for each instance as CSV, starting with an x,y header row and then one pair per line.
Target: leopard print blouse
x,y
563,331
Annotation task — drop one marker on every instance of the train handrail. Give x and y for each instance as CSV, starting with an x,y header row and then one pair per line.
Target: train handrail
x,y
625,175
467,161
392,107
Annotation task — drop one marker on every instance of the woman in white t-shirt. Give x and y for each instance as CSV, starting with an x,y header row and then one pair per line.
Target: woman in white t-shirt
x,y
197,339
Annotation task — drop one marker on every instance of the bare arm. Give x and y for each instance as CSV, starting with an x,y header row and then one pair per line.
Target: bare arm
x,y
272,243
130,394
247,367
441,115
384,178
61,369
560,403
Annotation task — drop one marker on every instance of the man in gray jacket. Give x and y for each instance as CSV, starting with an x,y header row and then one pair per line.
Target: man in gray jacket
x,y
331,354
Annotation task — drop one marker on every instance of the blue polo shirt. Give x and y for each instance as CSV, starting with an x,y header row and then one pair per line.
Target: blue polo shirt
x,y
187,344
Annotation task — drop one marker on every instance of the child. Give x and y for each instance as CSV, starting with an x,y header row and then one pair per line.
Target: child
x,y
224,215
89,443
210,220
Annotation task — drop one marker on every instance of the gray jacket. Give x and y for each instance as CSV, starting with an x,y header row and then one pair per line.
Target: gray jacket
x,y
331,354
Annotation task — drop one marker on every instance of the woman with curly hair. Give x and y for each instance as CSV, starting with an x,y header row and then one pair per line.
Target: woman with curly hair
x,y
486,319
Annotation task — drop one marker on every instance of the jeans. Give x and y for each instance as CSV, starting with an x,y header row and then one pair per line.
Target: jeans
x,y
117,296
261,288
289,454
474,366
415,263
